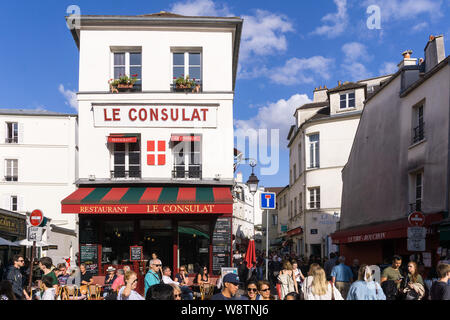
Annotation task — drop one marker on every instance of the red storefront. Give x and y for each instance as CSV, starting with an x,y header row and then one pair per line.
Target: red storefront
x,y
374,244
183,225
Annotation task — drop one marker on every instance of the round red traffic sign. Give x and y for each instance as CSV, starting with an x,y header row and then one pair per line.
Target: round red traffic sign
x,y
416,219
36,218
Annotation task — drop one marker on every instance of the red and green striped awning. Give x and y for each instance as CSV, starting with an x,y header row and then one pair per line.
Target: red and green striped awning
x,y
149,200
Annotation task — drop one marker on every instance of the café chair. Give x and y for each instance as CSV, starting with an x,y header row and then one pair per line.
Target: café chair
x,y
206,291
70,292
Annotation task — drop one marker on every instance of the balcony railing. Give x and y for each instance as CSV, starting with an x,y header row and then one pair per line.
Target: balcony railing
x,y
11,178
416,206
12,140
418,133
124,174
193,172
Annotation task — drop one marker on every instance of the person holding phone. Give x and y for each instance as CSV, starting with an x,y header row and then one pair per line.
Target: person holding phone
x,y
393,272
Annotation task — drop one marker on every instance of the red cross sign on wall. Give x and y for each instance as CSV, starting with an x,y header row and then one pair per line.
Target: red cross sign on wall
x,y
158,153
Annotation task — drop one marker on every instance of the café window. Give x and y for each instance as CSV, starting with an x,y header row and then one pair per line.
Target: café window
x,y
129,63
12,132
116,240
11,169
193,240
126,159
186,150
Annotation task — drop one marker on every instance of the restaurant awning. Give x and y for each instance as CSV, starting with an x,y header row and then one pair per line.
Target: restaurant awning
x,y
149,200
122,138
381,231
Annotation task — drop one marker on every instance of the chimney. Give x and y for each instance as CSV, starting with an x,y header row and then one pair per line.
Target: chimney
x,y
320,94
434,52
407,60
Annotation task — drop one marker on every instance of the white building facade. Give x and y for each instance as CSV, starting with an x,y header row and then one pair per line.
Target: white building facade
x,y
155,160
319,145
38,161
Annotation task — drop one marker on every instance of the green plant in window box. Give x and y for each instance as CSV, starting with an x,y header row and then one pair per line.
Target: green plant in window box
x,y
124,83
182,83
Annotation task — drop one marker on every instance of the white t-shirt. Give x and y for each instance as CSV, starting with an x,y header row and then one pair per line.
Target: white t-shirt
x,y
49,294
168,280
133,295
297,273
309,295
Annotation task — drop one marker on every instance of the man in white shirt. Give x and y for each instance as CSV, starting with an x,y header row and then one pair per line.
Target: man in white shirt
x,y
166,273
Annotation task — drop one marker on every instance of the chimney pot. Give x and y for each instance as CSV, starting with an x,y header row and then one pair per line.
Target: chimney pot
x,y
432,37
407,54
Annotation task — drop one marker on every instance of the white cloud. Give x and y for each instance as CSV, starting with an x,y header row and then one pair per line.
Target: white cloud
x,y
420,26
70,96
388,68
335,23
405,9
274,115
354,54
264,34
200,8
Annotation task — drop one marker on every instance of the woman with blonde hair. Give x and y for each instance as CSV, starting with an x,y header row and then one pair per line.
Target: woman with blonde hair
x,y
308,280
128,292
287,280
321,289
176,291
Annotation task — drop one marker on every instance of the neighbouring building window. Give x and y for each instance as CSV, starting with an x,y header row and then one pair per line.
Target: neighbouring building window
x,y
187,157
418,129
284,201
14,204
12,169
290,209
314,151
295,206
419,191
299,159
12,132
129,64
295,172
347,100
274,219
314,198
127,160
188,63
300,202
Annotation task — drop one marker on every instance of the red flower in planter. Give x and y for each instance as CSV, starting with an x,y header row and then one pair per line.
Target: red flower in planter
x,y
134,75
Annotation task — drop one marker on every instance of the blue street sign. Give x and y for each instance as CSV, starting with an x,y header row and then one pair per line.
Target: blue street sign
x,y
268,200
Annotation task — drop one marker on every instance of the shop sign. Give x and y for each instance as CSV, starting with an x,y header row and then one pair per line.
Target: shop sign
x,y
148,209
416,244
145,116
367,237
297,231
136,253
12,226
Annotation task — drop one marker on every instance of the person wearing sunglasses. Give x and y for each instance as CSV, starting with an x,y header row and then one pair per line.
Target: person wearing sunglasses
x,y
251,291
128,292
152,277
16,278
264,291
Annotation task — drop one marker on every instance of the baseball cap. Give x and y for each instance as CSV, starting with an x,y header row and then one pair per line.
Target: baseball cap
x,y
232,278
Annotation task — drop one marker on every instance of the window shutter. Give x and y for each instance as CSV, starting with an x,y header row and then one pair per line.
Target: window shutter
x,y
21,204
21,132
6,202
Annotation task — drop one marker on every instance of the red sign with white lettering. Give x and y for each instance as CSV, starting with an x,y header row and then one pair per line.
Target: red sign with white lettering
x,y
416,219
36,218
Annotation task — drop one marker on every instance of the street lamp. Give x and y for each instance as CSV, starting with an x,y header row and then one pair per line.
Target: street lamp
x,y
252,184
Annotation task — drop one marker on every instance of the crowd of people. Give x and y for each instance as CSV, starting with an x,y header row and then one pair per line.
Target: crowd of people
x,y
290,278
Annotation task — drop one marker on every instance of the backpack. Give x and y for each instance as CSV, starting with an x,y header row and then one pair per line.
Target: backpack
x,y
390,289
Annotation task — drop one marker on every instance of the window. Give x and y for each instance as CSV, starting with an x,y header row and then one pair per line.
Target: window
x,y
290,209
295,172
290,177
300,202
187,157
12,132
314,151
284,200
127,160
295,206
418,132
129,64
14,206
418,191
314,198
12,168
347,100
274,219
299,159
188,63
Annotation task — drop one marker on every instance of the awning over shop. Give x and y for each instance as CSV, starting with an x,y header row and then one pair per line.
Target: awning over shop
x,y
150,200
295,231
190,138
122,138
381,231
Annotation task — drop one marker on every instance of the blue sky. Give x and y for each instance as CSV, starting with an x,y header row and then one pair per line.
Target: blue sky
x,y
288,48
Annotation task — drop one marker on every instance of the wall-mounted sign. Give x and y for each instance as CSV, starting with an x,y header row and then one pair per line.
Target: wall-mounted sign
x,y
314,231
136,253
147,209
146,116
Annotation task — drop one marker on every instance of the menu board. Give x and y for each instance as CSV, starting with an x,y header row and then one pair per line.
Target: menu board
x,y
135,253
89,256
221,243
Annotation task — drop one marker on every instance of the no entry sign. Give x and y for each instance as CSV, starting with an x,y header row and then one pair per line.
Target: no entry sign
x,y
36,218
416,219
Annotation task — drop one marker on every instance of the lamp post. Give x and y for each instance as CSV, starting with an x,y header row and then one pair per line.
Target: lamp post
x,y
252,184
